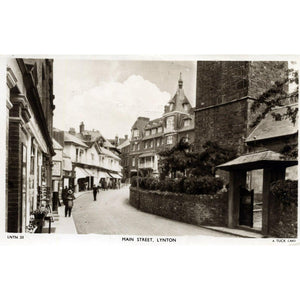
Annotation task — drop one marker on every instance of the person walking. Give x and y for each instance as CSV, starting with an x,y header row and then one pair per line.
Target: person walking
x,y
69,203
95,191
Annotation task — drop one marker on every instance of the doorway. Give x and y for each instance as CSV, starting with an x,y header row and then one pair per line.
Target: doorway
x,y
254,184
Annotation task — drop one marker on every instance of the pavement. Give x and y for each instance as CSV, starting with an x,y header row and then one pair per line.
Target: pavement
x,y
112,214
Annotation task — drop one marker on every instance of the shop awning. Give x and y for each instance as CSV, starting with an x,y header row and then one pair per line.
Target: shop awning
x,y
102,175
81,173
113,175
258,160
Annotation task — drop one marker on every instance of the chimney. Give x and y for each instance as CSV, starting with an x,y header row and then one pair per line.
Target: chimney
x,y
72,131
126,137
166,108
81,127
116,140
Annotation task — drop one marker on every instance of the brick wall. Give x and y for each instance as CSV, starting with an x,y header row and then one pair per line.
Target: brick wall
x,y
192,209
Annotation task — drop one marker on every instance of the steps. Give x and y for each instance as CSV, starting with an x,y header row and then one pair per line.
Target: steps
x,y
236,232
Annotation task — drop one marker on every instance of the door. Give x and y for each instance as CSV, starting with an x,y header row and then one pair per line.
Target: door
x,y
246,207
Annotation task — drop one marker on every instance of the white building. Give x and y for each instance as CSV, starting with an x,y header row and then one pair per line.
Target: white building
x,y
91,161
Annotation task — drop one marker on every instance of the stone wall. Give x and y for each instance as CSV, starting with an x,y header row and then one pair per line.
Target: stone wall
x,y
225,124
263,74
222,98
221,81
192,209
283,220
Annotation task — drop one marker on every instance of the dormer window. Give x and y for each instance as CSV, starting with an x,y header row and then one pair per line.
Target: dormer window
x,y
171,107
187,123
185,107
159,129
147,132
135,133
153,131
170,123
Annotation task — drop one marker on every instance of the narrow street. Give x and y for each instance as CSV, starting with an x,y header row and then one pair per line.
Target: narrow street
x,y
112,214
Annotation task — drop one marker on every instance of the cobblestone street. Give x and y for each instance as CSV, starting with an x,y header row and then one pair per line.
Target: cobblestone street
x,y
112,214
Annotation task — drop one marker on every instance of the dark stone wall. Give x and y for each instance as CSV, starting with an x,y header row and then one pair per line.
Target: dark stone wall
x,y
218,117
192,209
283,220
220,82
264,74
225,124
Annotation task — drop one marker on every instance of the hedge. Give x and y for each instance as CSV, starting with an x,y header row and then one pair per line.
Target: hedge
x,y
285,191
192,185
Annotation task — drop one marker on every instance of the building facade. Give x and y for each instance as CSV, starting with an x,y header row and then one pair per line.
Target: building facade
x,y
124,149
149,137
29,144
91,159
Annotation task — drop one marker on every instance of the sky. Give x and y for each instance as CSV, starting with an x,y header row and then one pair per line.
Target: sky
x,y
109,95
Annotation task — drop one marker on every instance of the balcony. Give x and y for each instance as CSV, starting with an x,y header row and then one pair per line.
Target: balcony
x,y
146,165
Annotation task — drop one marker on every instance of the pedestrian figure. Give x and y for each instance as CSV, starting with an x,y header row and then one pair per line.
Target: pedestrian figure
x,y
95,191
64,195
104,185
69,203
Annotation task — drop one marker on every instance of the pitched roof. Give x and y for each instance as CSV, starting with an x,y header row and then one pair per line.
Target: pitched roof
x,y
95,134
70,138
108,153
257,160
179,99
124,144
56,144
269,128
108,144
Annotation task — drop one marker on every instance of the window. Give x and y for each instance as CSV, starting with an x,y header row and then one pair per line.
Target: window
x,y
133,162
138,146
147,132
146,145
170,123
169,140
157,142
187,122
77,154
185,107
92,156
135,133
151,144
171,106
153,131
159,129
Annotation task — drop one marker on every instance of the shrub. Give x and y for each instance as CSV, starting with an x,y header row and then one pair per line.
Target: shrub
x,y
285,191
202,185
193,185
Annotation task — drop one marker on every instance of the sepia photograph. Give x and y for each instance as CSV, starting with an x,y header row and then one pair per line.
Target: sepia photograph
x,y
152,148
149,150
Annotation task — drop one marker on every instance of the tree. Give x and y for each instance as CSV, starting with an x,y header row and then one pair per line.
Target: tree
x,y
182,158
278,96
